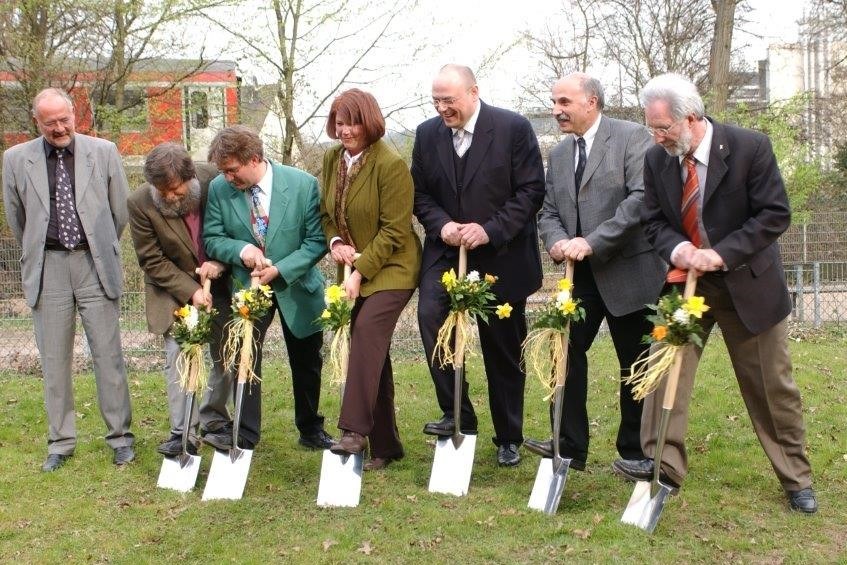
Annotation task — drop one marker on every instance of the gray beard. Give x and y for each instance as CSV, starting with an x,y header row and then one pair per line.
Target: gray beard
x,y
190,203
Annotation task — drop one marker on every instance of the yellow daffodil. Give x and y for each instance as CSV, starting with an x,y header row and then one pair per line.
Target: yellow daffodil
x,y
567,307
334,293
183,312
660,332
564,284
490,279
326,314
448,279
503,310
695,306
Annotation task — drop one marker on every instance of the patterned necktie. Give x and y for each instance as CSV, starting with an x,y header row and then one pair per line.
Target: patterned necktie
x,y
577,179
258,216
690,213
69,234
459,142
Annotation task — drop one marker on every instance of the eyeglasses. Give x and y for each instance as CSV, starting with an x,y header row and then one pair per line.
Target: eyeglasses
x,y
447,101
663,131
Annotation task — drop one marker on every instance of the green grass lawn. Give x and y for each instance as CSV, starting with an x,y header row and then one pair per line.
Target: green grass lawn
x,y
731,509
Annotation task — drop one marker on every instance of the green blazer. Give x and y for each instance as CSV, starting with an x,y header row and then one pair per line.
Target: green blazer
x,y
379,217
294,242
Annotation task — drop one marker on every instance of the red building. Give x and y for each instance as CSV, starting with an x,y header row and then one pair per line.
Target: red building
x,y
174,101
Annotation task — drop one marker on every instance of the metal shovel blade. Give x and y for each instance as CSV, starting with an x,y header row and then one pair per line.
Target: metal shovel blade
x,y
549,484
179,473
227,478
452,465
228,475
646,504
341,479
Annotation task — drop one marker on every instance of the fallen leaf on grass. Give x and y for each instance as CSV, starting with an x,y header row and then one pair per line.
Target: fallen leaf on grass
x,y
582,534
844,456
411,498
327,543
598,518
11,400
366,548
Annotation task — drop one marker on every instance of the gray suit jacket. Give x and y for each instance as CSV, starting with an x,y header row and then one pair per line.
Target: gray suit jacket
x,y
101,192
627,270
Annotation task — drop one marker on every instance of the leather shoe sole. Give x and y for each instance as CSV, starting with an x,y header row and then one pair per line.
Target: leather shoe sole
x,y
636,470
350,443
445,427
123,455
803,500
545,449
54,461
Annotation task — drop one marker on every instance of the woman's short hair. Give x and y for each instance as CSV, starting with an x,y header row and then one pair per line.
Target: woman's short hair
x,y
357,107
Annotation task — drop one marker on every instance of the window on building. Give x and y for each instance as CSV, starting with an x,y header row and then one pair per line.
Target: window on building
x,y
199,109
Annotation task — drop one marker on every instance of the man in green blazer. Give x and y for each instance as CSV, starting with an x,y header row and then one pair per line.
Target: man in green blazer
x,y
260,210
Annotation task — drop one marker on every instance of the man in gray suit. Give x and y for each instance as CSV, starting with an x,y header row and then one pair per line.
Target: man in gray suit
x,y
591,214
65,197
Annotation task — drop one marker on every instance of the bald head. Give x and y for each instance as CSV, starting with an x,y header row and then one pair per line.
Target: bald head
x,y
455,95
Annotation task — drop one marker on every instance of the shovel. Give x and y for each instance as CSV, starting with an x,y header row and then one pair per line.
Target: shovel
x,y
453,462
180,473
648,499
553,473
341,474
228,474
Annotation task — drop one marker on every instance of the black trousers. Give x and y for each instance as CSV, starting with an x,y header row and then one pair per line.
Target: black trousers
x,y
500,341
304,358
626,332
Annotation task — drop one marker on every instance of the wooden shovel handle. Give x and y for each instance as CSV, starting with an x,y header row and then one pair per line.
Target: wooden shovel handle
x,y
673,376
463,261
561,368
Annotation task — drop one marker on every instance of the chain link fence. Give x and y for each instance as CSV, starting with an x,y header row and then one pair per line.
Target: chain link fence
x,y
815,256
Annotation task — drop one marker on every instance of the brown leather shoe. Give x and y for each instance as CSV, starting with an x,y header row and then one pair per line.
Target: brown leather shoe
x,y
377,463
350,443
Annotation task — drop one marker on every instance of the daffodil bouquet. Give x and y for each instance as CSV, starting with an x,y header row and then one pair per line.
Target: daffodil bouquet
x,y
248,306
675,325
470,296
544,346
336,318
192,328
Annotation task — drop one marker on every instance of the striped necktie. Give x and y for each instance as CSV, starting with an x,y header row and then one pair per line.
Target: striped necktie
x,y
690,213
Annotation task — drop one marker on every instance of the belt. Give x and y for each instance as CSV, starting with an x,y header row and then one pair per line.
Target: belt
x,y
56,246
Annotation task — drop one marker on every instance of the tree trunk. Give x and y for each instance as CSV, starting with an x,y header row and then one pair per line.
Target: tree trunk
x,y
721,51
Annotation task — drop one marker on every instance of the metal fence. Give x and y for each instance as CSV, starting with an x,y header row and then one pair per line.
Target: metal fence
x,y
815,256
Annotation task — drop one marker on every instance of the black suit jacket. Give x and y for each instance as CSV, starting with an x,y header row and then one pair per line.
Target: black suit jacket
x,y
745,209
502,190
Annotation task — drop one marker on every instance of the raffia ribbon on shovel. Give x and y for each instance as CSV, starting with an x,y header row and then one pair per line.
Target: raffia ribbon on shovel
x,y
238,348
459,321
650,368
191,368
543,353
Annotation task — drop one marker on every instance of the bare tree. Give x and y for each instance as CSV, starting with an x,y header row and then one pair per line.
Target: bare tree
x,y
317,47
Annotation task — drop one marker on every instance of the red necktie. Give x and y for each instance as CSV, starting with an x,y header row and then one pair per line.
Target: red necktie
x,y
690,214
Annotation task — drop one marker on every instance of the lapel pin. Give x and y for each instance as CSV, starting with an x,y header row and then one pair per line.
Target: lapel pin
x,y
720,147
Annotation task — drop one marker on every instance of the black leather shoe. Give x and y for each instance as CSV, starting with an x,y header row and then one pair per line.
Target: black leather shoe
x,y
803,500
219,439
317,440
172,447
641,470
54,461
545,449
123,455
445,426
507,455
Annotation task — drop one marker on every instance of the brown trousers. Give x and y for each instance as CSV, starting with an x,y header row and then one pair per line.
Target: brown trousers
x,y
763,371
368,404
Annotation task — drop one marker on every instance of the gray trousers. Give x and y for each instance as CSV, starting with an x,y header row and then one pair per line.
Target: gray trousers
x,y
70,284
